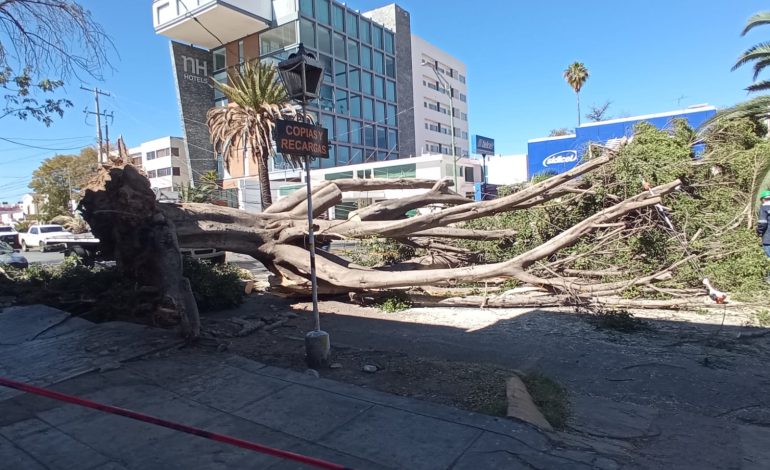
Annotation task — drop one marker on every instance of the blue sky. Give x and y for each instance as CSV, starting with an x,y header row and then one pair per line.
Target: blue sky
x,y
644,57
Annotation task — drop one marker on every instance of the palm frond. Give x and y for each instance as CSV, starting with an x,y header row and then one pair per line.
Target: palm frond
x,y
576,75
757,52
758,19
759,86
756,108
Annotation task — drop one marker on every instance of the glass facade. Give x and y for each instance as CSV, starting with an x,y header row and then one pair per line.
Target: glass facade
x,y
358,103
358,96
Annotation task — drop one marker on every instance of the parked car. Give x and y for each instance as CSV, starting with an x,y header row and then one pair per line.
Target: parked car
x,y
37,235
10,257
9,235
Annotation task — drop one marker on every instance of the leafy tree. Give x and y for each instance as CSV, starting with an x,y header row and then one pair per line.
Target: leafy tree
x,y
60,179
256,100
599,113
42,43
576,76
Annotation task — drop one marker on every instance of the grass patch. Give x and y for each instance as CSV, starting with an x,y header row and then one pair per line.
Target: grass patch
x,y
763,317
550,397
395,303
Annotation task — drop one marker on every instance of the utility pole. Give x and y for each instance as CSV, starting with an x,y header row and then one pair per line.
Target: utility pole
x,y
98,114
107,129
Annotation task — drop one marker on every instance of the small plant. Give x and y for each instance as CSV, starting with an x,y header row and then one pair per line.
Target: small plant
x,y
216,287
550,397
618,320
396,303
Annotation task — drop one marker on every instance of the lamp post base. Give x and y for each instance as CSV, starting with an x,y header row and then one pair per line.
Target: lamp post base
x,y
317,348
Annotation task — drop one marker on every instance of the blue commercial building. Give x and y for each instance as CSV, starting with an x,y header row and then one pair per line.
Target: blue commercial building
x,y
562,153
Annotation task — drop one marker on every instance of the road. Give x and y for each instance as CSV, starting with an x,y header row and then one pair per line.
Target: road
x,y
37,257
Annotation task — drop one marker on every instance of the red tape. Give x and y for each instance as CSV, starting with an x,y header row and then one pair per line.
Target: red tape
x,y
233,441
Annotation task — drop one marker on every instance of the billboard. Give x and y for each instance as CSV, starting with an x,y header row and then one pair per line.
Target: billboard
x,y
483,145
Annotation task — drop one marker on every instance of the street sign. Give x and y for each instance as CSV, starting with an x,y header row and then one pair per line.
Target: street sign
x,y
483,145
299,138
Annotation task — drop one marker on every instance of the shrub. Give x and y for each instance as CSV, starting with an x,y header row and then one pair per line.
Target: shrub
x,y
216,287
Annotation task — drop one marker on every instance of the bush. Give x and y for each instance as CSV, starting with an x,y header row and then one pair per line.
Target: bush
x,y
381,252
396,303
216,287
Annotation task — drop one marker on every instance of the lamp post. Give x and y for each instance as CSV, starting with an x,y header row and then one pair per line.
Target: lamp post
x,y
448,90
302,74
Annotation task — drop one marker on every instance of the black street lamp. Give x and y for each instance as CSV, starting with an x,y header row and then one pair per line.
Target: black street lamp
x,y
302,74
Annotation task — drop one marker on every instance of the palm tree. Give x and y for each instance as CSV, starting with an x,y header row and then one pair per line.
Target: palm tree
x,y
576,75
256,99
759,54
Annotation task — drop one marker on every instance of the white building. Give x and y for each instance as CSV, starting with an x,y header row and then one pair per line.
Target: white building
x,y
432,120
165,161
433,167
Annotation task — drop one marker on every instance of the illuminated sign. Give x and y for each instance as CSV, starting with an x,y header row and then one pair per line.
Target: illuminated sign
x,y
484,145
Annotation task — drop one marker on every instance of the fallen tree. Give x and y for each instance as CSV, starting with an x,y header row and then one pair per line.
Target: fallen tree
x,y
609,236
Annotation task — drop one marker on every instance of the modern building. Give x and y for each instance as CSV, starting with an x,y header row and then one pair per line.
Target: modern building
x,y
368,100
165,161
559,154
436,77
433,167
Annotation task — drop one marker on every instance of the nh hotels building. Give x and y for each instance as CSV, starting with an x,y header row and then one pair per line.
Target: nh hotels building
x,y
376,76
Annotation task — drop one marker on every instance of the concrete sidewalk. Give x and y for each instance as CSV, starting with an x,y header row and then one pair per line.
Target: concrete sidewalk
x,y
342,423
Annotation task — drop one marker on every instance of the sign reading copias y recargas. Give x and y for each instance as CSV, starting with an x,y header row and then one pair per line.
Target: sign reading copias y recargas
x,y
483,145
299,138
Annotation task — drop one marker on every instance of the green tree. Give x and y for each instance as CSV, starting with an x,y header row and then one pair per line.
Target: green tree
x,y
256,100
60,179
576,76
42,43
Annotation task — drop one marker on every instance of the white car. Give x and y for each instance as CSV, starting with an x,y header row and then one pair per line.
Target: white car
x,y
37,235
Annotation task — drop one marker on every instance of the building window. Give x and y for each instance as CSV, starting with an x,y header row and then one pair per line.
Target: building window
x,y
392,139
390,67
342,101
369,109
150,156
276,39
379,87
306,7
389,48
343,155
379,62
461,78
366,82
355,132
327,98
338,18
176,171
327,121
152,174
322,11
469,174
174,151
339,46
382,140
341,74
355,105
343,133
391,116
366,57
379,112
366,31
390,91
220,59
328,68
352,25
324,40
307,32
369,136
162,153
355,79
377,36
164,172
353,52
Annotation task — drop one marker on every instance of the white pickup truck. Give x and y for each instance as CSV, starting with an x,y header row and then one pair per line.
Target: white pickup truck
x,y
37,236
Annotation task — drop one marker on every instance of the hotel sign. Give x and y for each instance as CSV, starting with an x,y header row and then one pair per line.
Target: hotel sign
x,y
299,138
484,145
195,69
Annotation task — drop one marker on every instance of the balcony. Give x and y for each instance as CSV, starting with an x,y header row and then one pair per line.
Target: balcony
x,y
210,23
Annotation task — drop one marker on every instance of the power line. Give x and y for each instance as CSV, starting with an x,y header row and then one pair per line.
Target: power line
x,y
22,144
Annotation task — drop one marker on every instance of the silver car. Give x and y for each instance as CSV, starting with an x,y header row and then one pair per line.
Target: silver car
x,y
10,257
